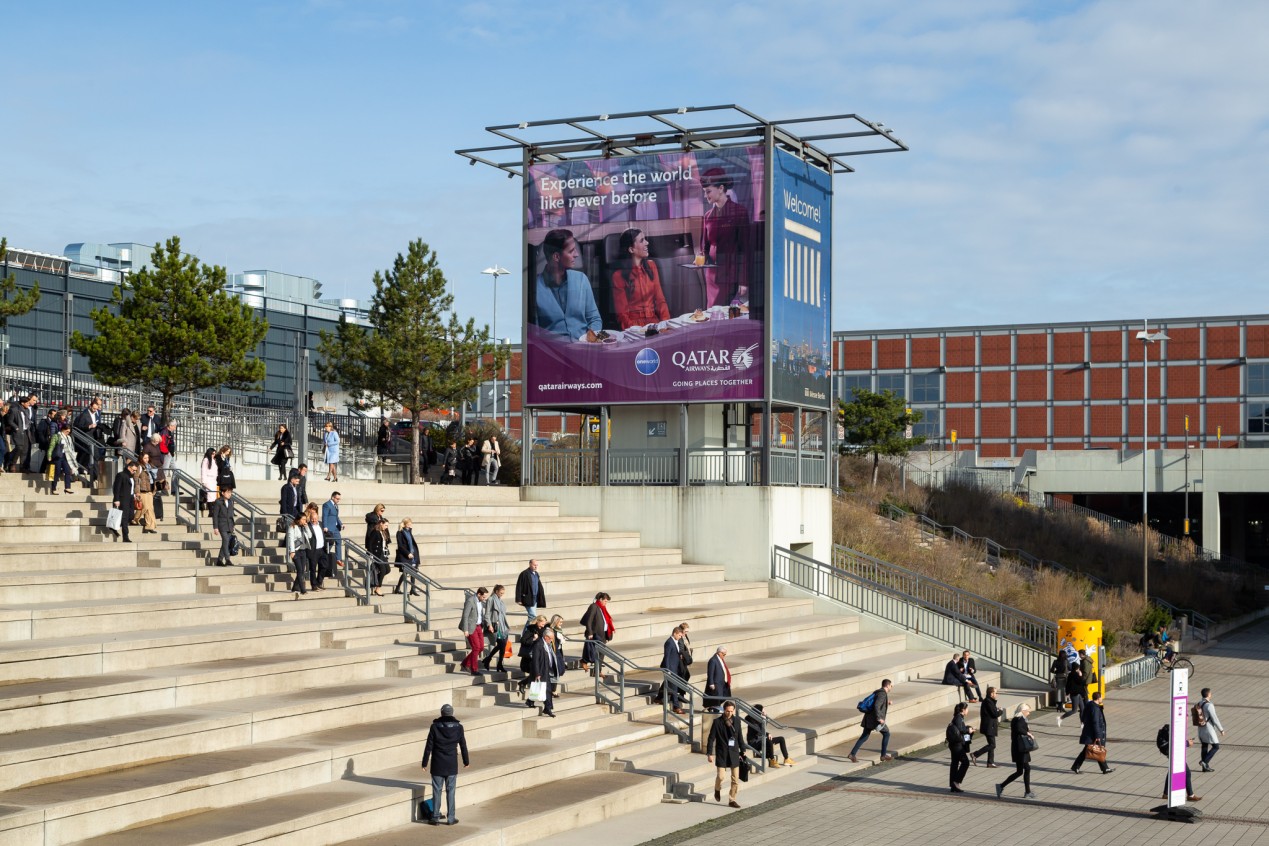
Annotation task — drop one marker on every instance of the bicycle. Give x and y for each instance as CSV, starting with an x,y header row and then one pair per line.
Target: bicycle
x,y
1163,665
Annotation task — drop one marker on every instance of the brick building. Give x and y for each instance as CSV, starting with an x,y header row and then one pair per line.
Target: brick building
x,y
1007,389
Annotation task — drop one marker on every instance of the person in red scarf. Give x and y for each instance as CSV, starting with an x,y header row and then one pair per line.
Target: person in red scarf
x,y
598,624
717,680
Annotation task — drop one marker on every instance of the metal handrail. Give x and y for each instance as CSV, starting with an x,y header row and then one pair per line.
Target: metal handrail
x,y
177,479
1018,640
932,528
1032,630
683,725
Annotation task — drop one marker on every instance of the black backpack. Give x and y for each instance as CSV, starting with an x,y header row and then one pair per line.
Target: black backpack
x,y
1163,739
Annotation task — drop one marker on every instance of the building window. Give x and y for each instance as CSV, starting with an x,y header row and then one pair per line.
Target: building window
x,y
846,385
1257,418
931,425
1258,379
891,382
925,387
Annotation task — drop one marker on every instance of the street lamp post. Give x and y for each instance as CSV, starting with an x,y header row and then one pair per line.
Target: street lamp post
x,y
1146,338
495,271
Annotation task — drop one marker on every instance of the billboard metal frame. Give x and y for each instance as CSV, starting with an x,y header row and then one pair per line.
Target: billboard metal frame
x,y
661,130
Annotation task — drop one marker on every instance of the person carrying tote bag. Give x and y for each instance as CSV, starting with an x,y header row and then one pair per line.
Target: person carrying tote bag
x,y
1093,737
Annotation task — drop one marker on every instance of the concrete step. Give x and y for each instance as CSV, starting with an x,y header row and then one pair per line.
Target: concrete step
x,y
16,558
103,803
51,658
526,545
52,702
131,740
629,603
110,616
38,530
73,585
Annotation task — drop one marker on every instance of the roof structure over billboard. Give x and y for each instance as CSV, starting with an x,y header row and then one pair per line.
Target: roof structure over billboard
x,y
687,128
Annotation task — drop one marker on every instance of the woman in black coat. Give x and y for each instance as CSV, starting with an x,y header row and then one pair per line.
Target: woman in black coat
x,y
407,553
1094,733
958,740
225,469
1019,733
281,447
449,465
532,633
989,726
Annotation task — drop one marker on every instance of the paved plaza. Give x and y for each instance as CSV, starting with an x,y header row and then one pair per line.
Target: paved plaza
x,y
906,801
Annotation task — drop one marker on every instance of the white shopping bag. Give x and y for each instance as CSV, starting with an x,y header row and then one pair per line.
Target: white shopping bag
x,y
114,519
537,691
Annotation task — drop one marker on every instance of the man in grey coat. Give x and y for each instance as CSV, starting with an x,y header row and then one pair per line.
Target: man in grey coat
x,y
445,740
1207,733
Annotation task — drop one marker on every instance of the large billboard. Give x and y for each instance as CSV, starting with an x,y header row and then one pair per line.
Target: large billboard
x,y
801,282
645,278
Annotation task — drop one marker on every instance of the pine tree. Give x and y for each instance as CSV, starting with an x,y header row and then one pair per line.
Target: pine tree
x,y
172,329
878,423
410,355
14,303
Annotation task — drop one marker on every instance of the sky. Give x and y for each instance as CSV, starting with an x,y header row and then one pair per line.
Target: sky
x,y
1069,161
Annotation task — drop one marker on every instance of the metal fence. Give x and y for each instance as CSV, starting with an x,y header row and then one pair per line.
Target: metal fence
x,y
1130,673
714,466
1010,638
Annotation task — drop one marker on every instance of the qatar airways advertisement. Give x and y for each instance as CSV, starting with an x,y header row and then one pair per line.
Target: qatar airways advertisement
x,y
645,278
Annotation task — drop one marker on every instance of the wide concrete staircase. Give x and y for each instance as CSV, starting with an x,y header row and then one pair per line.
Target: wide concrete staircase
x,y
147,698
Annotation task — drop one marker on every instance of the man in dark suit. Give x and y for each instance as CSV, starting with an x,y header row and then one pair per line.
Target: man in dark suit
x,y
952,675
875,720
222,517
289,503
529,591
717,680
302,470
970,671
724,743
18,426
149,423
989,727
88,421
545,667
125,491
672,660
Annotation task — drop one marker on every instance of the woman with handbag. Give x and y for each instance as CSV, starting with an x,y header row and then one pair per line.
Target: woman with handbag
x,y
496,619
297,546
1093,737
225,468
281,447
1022,744
599,628
145,498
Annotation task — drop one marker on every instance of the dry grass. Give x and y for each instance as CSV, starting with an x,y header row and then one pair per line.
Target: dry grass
x,y
1049,594
1177,575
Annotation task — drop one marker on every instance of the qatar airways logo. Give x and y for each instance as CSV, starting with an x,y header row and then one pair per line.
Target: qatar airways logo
x,y
714,361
